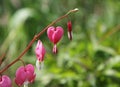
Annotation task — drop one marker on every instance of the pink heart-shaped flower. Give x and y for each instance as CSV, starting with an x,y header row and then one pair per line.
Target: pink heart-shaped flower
x,y
5,81
55,34
25,74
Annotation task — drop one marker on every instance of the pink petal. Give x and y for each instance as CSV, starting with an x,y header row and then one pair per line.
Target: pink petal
x,y
50,32
30,72
38,47
33,78
43,52
30,76
20,76
30,68
57,34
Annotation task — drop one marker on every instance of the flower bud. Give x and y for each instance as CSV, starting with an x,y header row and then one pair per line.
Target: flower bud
x,y
40,53
69,25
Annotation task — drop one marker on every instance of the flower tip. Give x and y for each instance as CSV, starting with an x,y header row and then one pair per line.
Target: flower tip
x,y
55,51
76,9
70,35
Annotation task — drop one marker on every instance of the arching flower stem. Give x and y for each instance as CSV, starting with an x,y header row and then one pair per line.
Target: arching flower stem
x,y
35,38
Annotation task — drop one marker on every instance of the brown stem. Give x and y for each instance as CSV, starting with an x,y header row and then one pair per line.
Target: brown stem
x,y
36,37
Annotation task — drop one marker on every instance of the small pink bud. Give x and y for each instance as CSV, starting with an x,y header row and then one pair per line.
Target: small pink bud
x,y
40,51
5,81
55,34
69,25
25,75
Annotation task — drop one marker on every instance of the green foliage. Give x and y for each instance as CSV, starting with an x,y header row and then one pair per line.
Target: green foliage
x,y
91,59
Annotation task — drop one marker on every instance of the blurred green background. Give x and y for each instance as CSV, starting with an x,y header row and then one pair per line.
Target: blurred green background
x,y
91,59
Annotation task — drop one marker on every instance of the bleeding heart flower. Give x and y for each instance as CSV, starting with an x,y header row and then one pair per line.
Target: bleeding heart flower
x,y
69,25
5,81
40,53
55,34
25,75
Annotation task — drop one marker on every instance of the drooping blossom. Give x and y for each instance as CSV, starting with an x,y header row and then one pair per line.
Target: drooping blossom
x,y
69,26
5,81
55,34
40,53
25,75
